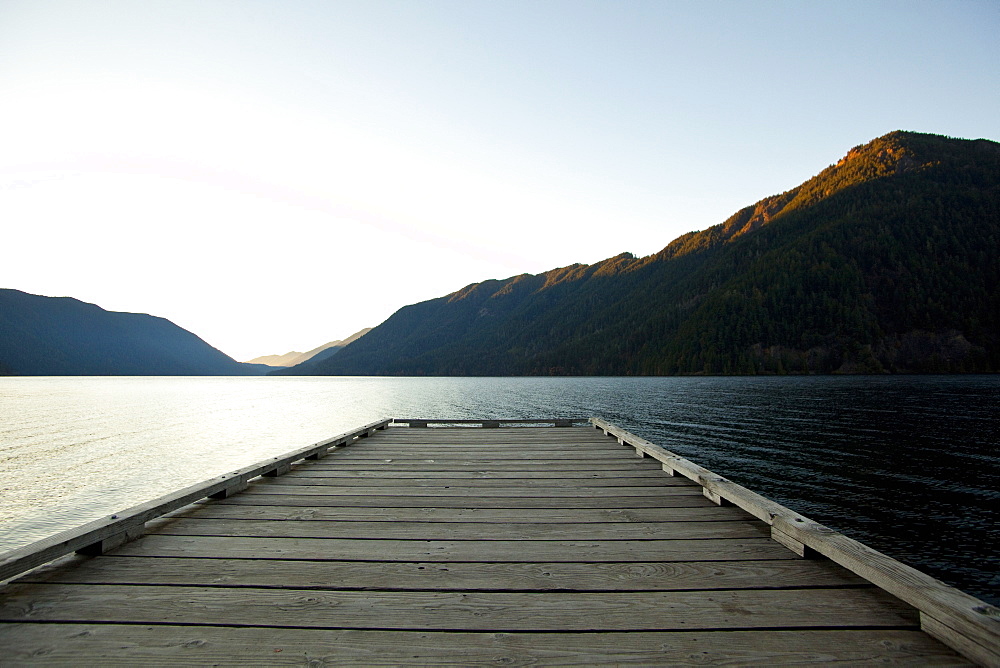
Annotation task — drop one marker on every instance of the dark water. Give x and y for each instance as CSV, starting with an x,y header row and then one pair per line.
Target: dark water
x,y
908,465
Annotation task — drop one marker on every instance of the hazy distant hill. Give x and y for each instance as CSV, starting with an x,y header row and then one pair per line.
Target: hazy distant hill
x,y
885,261
61,336
294,357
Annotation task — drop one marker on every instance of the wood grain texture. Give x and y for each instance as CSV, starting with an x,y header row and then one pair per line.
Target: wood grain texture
x,y
726,549
461,576
472,611
463,530
474,491
700,513
479,465
416,479
290,496
488,459
169,646
397,476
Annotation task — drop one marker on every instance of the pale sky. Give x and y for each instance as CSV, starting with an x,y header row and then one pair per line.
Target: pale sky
x,y
275,174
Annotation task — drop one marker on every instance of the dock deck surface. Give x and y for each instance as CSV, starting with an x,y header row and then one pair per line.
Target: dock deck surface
x,y
460,546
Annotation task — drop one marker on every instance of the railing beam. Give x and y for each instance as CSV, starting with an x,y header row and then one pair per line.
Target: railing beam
x,y
490,424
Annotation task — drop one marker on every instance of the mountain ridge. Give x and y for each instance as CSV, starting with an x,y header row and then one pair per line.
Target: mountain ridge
x,y
64,336
809,280
294,357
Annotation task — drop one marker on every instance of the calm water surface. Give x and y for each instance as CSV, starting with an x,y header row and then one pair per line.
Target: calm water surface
x,y
909,465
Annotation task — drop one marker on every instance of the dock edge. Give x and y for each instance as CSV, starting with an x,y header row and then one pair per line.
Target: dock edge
x,y
965,623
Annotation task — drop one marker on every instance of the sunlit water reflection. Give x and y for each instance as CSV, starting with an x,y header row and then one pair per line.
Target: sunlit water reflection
x,y
909,465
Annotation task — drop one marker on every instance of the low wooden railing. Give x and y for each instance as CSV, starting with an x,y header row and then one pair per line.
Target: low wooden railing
x,y
488,424
109,532
963,622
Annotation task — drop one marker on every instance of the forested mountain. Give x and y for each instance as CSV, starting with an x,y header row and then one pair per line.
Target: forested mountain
x,y
61,336
886,261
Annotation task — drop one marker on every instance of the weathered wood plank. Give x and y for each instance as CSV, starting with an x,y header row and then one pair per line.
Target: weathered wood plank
x,y
457,550
504,437
500,466
572,439
530,423
483,482
490,444
167,646
462,531
494,443
493,611
540,434
567,449
705,513
590,492
536,458
275,496
489,457
389,475
460,576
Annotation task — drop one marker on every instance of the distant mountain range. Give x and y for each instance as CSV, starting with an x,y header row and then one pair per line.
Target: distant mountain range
x,y
884,262
321,352
62,336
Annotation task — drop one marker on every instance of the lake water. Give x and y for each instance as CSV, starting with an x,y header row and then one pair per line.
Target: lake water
x,y
909,465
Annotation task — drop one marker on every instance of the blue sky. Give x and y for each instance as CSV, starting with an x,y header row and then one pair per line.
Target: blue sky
x,y
273,175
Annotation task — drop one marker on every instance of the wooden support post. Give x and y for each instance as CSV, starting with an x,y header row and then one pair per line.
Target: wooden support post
x,y
281,469
640,453
715,498
235,488
319,454
668,470
792,544
124,535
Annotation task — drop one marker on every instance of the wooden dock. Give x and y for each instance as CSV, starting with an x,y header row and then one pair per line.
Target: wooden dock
x,y
398,544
